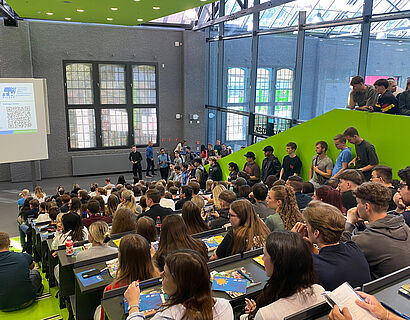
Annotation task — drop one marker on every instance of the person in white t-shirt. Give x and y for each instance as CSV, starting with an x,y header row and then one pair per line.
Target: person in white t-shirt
x,y
291,286
186,280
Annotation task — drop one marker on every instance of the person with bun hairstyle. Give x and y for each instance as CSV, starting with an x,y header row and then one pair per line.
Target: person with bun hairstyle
x,y
98,236
291,286
186,280
247,232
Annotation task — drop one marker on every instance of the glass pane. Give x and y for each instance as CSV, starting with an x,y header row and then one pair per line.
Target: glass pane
x,y
213,74
82,128
275,75
145,125
386,6
241,25
114,127
330,60
235,127
389,43
269,126
79,83
237,66
144,85
212,126
112,84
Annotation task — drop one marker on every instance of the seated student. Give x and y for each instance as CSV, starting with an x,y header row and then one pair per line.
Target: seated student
x,y
153,198
336,262
174,192
233,171
93,209
259,193
186,280
68,225
191,214
331,196
129,268
244,192
296,183
200,202
349,180
225,198
196,188
308,188
384,175
112,205
174,236
247,232
216,191
282,200
387,102
124,221
367,302
177,177
75,206
42,213
146,228
24,194
215,172
98,235
291,286
165,203
29,210
19,281
404,192
385,240
363,95
185,195
128,201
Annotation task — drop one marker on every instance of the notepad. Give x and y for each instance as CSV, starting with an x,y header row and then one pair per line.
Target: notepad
x,y
259,260
213,242
149,303
229,284
405,290
91,280
345,296
46,234
81,248
112,267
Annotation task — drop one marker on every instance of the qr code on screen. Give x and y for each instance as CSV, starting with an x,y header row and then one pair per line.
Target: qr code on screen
x,y
19,117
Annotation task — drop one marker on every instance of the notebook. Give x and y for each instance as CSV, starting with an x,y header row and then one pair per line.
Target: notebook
x,y
229,284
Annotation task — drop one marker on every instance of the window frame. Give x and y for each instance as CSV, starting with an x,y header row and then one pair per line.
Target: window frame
x,y
98,106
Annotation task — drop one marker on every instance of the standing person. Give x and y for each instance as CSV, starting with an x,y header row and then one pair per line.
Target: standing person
x,y
184,174
270,165
366,158
200,175
204,153
291,164
17,272
180,148
135,158
218,147
164,161
224,152
404,100
178,159
189,155
215,172
344,157
321,167
150,159
211,152
363,95
251,168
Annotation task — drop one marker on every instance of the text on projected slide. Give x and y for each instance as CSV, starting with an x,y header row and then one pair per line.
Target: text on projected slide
x,y
17,108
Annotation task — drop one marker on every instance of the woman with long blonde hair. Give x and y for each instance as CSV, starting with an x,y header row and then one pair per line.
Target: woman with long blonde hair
x,y
282,199
39,194
128,201
248,231
215,195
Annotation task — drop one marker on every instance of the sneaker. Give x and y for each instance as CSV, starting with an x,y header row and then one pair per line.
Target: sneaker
x,y
40,290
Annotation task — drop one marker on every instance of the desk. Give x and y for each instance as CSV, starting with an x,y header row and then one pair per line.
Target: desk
x,y
51,263
390,296
113,299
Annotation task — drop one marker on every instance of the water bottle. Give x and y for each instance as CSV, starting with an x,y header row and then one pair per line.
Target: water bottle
x,y
158,224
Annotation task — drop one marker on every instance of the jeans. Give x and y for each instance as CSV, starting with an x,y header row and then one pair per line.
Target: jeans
x,y
164,173
35,279
150,166
23,228
137,171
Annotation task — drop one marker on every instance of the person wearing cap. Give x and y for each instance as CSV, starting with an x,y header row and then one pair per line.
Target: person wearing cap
x,y
24,194
237,183
251,168
270,165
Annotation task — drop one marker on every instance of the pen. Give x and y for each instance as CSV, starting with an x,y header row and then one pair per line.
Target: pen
x,y
395,311
246,277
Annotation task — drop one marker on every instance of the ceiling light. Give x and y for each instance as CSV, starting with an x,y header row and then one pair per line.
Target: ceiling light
x,y
68,18
80,10
49,13
156,8
109,19
140,19
114,9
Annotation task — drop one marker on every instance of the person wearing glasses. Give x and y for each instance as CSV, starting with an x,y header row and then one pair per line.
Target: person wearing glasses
x,y
404,193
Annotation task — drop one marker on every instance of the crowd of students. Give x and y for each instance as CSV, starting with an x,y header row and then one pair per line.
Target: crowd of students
x,y
336,225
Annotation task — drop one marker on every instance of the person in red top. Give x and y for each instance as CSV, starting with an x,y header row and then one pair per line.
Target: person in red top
x,y
129,268
93,209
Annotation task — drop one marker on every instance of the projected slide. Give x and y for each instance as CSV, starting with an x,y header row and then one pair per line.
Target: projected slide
x,y
17,108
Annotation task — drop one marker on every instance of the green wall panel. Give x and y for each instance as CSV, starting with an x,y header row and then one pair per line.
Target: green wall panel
x,y
389,134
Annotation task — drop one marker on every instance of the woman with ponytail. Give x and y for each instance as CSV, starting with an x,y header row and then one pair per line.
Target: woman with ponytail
x,y
98,236
282,199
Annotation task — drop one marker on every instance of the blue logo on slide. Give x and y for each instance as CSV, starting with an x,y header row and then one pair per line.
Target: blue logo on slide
x,y
9,92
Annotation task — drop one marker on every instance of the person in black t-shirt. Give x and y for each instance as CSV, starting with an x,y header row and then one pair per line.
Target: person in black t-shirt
x,y
387,102
291,165
135,158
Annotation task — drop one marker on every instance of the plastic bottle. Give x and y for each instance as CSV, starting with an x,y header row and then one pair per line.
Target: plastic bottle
x,y
158,224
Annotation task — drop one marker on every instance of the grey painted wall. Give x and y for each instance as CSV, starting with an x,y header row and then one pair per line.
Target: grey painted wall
x,y
181,77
